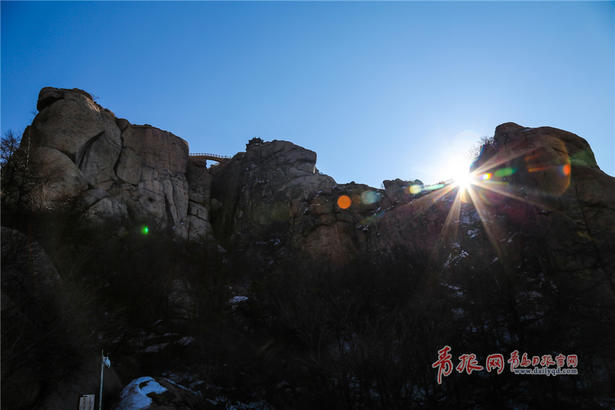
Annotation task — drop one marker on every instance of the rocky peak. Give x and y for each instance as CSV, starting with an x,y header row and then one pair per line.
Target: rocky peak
x,y
80,155
49,95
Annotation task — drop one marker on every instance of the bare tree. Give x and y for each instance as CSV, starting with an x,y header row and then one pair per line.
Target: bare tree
x,y
10,143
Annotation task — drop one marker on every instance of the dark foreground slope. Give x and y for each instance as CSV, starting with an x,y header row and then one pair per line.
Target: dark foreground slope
x,y
262,281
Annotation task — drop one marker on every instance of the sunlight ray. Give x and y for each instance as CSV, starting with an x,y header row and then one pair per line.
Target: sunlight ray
x,y
489,225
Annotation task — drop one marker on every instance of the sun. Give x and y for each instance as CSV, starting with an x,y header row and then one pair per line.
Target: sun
x,y
463,180
457,168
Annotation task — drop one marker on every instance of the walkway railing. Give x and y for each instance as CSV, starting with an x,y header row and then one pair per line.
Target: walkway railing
x,y
213,157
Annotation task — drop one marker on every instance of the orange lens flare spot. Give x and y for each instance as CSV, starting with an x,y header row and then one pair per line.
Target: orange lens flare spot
x,y
537,169
486,176
566,169
344,202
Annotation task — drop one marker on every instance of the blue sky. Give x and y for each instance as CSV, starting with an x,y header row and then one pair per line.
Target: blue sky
x,y
378,90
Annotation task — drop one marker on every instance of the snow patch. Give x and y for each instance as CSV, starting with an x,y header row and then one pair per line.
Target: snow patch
x,y
237,299
472,233
135,395
186,340
453,260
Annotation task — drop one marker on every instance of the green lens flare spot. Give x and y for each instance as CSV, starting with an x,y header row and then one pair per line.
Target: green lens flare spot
x,y
504,172
145,230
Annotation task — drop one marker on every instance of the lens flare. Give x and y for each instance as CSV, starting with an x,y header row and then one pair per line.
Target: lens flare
x,y
505,172
344,201
433,187
489,185
370,197
464,180
415,189
144,229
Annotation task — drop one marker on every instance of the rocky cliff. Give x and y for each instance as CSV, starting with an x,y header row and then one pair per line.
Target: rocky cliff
x,y
520,257
78,154
272,196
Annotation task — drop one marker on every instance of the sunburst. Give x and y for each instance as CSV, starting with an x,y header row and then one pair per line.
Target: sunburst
x,y
470,187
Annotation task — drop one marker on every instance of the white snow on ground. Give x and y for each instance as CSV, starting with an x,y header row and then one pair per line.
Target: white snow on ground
x,y
237,299
134,395
472,233
453,260
458,292
186,340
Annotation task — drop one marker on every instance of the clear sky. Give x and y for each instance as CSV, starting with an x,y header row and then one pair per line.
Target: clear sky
x,y
378,90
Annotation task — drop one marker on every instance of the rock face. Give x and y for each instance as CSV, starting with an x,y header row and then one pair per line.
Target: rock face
x,y
536,224
77,153
554,173
544,191
34,303
27,276
261,192
272,197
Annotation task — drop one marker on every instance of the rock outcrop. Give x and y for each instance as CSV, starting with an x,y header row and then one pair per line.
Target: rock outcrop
x,y
78,155
540,184
528,245
554,173
271,196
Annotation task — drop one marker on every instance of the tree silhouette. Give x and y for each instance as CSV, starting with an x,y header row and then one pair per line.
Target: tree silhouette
x,y
10,143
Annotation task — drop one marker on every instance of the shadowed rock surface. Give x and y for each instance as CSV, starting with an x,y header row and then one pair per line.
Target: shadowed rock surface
x,y
44,361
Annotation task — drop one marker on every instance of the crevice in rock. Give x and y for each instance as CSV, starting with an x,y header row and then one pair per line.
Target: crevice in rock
x,y
119,157
167,208
82,153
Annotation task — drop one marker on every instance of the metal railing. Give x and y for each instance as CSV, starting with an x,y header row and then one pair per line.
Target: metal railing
x,y
209,156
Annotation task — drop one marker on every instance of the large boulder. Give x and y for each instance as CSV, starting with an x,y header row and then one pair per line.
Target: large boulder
x,y
263,190
77,155
272,202
555,172
151,394
542,181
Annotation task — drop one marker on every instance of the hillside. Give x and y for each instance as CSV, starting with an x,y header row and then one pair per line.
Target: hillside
x,y
260,281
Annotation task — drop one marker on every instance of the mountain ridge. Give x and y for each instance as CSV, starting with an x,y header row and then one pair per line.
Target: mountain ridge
x,y
526,245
